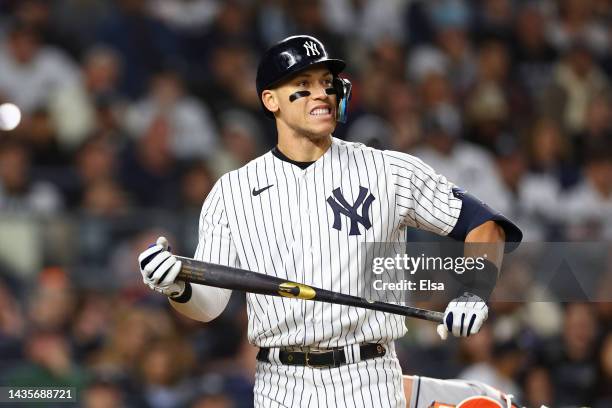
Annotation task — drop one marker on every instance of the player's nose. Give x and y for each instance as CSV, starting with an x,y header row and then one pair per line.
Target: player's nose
x,y
319,92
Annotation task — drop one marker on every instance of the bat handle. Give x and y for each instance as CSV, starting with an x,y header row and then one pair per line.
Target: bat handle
x,y
437,317
430,315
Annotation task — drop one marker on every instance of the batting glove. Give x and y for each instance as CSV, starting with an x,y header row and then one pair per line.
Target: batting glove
x,y
464,316
159,269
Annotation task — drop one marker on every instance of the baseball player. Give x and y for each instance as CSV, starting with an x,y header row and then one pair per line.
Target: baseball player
x,y
301,212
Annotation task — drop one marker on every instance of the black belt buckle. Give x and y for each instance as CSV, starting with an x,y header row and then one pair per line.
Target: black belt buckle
x,y
307,360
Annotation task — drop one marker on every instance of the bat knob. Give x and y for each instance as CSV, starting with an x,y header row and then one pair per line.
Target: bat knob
x,y
442,332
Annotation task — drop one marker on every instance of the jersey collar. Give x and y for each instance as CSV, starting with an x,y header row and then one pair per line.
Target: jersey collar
x,y
280,155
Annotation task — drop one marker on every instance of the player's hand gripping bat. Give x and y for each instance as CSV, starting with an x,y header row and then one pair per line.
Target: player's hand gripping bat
x,y
227,277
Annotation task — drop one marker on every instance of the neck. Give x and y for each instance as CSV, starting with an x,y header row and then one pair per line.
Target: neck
x,y
301,148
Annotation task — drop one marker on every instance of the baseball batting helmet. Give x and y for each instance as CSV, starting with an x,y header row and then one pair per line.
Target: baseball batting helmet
x,y
294,54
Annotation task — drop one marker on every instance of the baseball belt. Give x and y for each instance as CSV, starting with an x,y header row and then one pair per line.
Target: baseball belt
x,y
329,358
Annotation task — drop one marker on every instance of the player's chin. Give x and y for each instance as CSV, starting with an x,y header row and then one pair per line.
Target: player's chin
x,y
318,134
322,126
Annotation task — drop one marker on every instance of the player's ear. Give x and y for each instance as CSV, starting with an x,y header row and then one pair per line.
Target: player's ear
x,y
270,100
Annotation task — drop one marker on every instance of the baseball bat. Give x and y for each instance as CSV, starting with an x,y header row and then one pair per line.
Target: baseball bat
x,y
222,276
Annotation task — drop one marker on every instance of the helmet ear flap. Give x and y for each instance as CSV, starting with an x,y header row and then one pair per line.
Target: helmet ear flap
x,y
343,89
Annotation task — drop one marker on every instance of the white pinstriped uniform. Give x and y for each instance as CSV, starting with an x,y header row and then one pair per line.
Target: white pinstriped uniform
x,y
288,231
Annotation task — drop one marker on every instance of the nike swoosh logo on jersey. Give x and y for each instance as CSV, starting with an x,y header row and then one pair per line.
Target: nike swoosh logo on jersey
x,y
258,192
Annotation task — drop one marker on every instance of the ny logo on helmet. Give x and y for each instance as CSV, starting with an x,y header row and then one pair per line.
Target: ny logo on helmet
x,y
339,205
311,48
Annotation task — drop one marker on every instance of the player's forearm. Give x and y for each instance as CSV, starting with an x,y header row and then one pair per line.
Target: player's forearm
x,y
205,303
485,241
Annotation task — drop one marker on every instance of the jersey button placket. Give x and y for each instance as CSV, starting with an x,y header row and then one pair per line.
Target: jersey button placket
x,y
305,217
309,213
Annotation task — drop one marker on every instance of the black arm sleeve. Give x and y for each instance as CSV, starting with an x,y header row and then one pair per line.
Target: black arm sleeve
x,y
475,212
479,282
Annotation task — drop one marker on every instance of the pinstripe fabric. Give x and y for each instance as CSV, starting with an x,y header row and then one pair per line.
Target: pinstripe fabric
x,y
215,242
371,383
290,230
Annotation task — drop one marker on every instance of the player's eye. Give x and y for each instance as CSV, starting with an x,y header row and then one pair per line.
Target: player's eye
x,y
302,83
328,82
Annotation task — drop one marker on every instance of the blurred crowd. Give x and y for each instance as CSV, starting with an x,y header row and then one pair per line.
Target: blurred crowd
x,y
133,108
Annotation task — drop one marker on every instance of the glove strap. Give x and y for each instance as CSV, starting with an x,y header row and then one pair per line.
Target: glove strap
x,y
183,297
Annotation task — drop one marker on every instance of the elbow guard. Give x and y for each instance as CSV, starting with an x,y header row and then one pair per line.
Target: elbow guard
x,y
474,212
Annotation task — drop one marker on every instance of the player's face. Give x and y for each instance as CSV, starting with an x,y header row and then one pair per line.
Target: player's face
x,y
304,105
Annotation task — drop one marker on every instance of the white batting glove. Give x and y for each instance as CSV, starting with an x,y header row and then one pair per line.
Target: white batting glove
x,y
159,269
464,316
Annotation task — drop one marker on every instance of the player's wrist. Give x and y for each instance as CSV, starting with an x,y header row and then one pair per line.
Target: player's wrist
x,y
185,295
479,282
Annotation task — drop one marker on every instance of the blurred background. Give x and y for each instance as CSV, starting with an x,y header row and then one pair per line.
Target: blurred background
x,y
133,108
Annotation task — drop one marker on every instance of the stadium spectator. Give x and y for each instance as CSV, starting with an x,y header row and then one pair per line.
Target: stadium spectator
x,y
403,116
196,183
191,128
549,152
538,388
604,388
598,127
450,53
144,43
91,323
494,97
18,192
53,304
46,152
241,137
577,22
577,80
532,54
103,394
185,15
571,358
528,197
147,169
96,160
13,325
491,362
587,207
448,153
231,80
49,363
74,108
495,18
163,367
370,21
104,198
41,15
29,71
132,329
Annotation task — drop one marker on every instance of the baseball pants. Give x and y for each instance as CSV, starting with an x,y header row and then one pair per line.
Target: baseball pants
x,y
371,383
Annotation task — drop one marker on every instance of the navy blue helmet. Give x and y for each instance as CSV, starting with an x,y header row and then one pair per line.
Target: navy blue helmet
x,y
294,54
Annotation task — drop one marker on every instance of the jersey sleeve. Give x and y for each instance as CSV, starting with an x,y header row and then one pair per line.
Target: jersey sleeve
x,y
424,199
215,245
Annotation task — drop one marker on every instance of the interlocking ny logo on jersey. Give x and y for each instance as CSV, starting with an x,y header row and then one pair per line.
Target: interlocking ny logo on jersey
x,y
311,48
339,205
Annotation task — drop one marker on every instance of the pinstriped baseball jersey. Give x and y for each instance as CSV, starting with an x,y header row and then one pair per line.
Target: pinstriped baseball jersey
x,y
307,225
